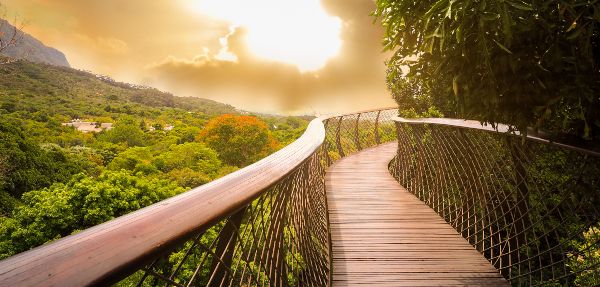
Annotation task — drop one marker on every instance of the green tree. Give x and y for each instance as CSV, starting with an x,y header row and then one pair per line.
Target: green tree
x,y
186,133
25,166
125,131
195,156
289,129
136,159
524,63
239,140
585,261
84,201
188,178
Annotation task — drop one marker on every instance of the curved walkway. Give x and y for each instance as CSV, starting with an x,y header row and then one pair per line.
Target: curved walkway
x,y
382,235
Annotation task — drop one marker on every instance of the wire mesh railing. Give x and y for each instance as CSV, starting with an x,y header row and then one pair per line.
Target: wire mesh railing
x,y
264,225
348,134
280,239
531,207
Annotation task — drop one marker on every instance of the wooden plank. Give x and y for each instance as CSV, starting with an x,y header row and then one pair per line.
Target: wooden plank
x,y
382,235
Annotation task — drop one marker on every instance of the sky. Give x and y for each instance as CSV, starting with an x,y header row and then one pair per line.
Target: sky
x,y
277,56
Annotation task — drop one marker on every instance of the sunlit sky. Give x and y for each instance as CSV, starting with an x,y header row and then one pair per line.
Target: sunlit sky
x,y
284,56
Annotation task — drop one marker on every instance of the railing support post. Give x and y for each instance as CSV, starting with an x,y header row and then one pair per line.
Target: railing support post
x,y
226,248
337,138
356,133
377,138
273,255
326,144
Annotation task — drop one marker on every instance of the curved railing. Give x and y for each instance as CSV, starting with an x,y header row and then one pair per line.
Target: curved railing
x,y
264,225
347,134
531,207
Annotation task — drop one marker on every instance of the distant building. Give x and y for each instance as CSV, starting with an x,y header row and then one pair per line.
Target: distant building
x,y
165,128
88,127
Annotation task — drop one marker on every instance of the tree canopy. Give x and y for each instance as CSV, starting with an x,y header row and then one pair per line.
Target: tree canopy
x,y
56,180
523,63
25,166
239,140
84,201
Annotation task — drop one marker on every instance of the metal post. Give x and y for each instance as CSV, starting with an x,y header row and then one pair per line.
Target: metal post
x,y
326,145
226,247
356,137
377,138
337,138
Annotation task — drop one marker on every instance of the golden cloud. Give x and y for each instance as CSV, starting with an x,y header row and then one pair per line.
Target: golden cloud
x,y
163,44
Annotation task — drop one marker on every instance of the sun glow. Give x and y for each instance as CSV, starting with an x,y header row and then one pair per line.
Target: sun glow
x,y
297,32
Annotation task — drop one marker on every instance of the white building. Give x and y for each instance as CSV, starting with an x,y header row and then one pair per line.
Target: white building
x,y
89,127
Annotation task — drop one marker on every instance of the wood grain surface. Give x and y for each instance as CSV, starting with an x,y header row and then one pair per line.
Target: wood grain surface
x,y
382,235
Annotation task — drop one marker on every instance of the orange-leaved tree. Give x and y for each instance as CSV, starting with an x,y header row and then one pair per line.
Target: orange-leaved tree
x,y
239,140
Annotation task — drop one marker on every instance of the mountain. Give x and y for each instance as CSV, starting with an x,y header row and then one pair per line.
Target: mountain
x,y
31,88
30,48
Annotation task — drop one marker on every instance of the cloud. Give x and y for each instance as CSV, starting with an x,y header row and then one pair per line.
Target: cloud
x,y
115,37
244,80
355,79
103,45
289,31
164,44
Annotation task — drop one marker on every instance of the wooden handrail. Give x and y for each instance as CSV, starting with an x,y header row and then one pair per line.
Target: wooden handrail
x,y
99,255
324,117
111,251
500,128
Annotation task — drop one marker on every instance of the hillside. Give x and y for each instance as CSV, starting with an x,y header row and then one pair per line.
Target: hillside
x,y
31,48
52,90
140,146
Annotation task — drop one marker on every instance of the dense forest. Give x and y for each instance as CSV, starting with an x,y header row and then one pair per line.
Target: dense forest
x,y
144,146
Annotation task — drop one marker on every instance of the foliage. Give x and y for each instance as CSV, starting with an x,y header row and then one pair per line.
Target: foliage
x,y
411,113
239,140
56,180
134,159
288,130
25,166
188,164
586,262
84,201
524,63
188,177
195,156
126,131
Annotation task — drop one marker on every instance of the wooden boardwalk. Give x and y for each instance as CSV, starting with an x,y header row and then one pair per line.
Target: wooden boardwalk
x,y
382,235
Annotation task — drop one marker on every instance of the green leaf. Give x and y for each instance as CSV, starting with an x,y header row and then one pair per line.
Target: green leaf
x,y
573,26
520,5
503,47
449,9
488,16
436,34
459,31
435,7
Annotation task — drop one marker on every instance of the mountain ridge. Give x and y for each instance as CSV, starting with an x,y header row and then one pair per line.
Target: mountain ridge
x,y
35,87
30,48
